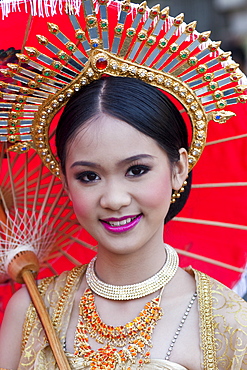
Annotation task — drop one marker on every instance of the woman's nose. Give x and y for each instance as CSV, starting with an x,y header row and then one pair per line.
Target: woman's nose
x,y
115,196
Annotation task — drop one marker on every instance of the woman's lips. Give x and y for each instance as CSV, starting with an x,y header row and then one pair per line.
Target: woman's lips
x,y
121,225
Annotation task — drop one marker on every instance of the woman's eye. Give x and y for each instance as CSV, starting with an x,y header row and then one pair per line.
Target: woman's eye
x,y
87,176
137,170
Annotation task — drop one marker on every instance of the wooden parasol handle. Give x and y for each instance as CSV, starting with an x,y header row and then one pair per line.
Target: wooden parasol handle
x,y
22,269
45,319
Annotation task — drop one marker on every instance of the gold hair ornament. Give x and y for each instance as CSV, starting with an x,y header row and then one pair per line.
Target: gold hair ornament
x,y
146,44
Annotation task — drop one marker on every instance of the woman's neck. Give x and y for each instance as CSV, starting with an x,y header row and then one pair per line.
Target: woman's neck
x,y
122,269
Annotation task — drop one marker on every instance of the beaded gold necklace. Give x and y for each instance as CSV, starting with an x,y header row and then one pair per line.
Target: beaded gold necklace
x,y
133,291
134,338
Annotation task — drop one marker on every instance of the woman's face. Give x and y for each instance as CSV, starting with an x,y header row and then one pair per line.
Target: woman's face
x,y
120,182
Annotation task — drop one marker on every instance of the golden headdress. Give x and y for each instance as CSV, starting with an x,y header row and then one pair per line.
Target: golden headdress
x,y
118,39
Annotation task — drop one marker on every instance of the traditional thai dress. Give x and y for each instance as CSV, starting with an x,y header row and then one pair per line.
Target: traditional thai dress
x,y
223,326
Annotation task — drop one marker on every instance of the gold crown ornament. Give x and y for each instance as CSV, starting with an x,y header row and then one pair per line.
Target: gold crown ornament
x,y
117,39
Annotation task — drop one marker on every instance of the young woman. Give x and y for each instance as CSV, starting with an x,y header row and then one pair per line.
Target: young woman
x,y
121,160
125,161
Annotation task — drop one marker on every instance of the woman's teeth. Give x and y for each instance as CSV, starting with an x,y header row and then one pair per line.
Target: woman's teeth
x,y
122,222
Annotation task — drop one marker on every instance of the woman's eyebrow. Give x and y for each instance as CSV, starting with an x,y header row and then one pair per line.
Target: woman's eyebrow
x,y
123,161
136,158
86,164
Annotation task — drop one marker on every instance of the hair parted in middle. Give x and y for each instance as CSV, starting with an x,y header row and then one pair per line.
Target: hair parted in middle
x,y
135,102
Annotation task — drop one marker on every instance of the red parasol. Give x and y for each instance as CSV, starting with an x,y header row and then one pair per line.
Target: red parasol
x,y
213,223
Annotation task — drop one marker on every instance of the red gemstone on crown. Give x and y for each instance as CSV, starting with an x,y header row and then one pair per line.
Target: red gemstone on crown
x,y
101,63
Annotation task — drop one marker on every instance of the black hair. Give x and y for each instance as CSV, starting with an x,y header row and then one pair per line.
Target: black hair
x,y
141,105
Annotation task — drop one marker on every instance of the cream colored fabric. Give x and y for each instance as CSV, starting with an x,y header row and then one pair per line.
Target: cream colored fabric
x,y
223,326
153,365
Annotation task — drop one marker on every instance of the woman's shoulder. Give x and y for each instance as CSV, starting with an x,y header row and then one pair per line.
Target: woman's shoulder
x,y
229,310
215,287
224,296
228,303
223,317
219,302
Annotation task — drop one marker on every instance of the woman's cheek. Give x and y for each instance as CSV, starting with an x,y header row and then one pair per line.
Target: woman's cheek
x,y
157,193
82,206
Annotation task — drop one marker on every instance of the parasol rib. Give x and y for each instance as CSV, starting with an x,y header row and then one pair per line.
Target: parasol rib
x,y
226,139
35,200
210,260
210,223
83,243
51,268
218,185
70,258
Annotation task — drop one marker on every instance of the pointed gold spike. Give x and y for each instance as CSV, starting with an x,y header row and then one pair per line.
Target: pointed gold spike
x,y
224,56
191,27
242,99
164,13
204,36
14,67
142,7
126,5
22,58
214,46
154,11
240,89
32,52
236,76
42,40
220,117
178,20
53,28
232,67
21,147
6,72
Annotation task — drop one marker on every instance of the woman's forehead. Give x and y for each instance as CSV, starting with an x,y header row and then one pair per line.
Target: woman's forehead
x,y
108,136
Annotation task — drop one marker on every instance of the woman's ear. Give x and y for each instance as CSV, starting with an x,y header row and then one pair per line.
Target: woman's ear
x,y
180,170
65,184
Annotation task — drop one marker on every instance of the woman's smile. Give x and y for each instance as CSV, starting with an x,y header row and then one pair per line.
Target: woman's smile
x,y
121,225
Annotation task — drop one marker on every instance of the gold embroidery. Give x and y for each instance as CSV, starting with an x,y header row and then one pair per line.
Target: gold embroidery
x,y
72,276
31,314
207,321
230,313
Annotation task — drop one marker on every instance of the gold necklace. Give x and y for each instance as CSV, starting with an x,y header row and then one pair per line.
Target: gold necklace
x,y
134,291
134,338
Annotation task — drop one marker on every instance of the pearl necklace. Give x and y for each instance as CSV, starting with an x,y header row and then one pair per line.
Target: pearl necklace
x,y
134,291
182,322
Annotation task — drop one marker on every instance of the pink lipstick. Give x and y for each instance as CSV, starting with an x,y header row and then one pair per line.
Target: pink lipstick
x,y
121,225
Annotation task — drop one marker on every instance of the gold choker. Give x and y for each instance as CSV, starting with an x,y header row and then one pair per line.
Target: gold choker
x,y
134,291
